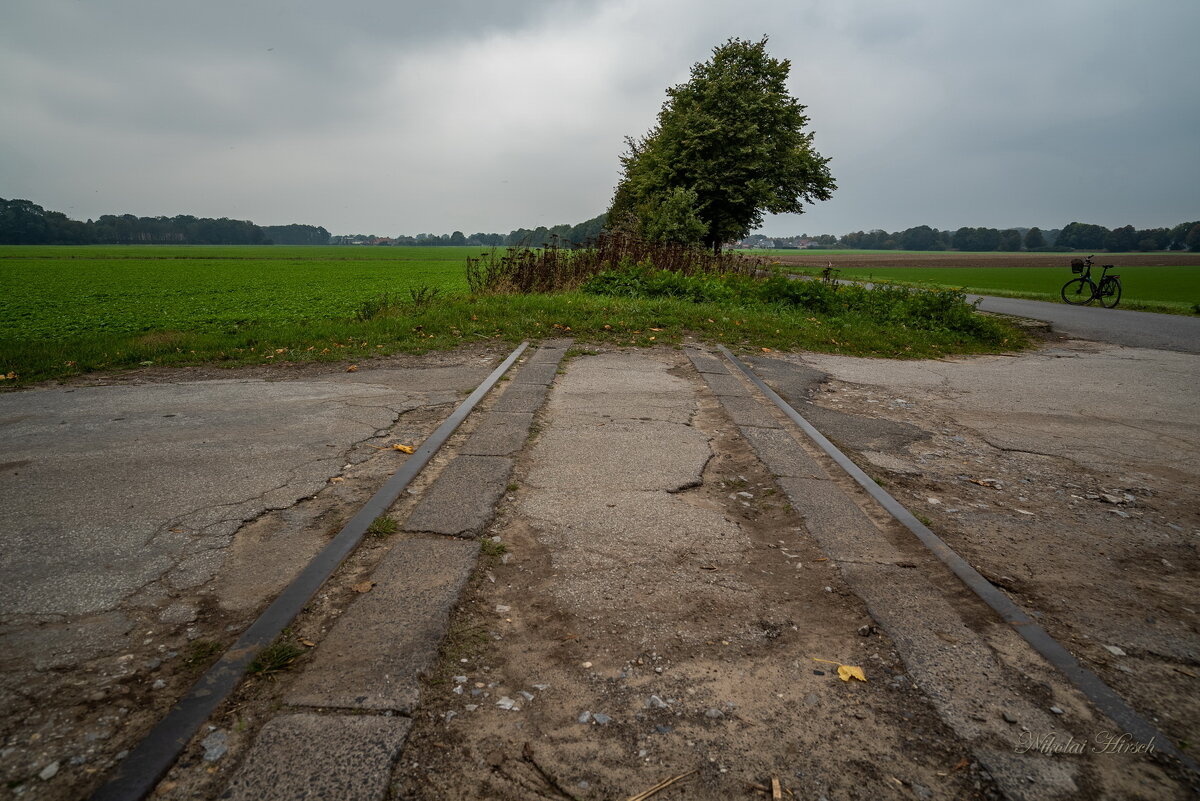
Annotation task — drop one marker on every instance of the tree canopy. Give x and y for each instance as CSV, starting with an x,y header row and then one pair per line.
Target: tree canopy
x,y
729,146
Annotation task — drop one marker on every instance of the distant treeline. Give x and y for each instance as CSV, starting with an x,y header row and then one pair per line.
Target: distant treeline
x,y
23,222
1075,236
565,235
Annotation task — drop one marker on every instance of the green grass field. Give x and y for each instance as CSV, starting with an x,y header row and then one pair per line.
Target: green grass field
x,y
59,293
1165,289
71,310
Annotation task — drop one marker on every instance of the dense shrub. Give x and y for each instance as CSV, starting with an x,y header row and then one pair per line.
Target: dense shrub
x,y
925,309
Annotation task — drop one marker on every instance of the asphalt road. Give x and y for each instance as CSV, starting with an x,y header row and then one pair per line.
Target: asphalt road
x,y
1118,326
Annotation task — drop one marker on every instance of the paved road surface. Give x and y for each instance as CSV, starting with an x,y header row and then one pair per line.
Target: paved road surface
x,y
1119,326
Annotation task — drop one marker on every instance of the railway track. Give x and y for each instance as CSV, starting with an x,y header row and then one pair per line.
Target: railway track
x,y
996,683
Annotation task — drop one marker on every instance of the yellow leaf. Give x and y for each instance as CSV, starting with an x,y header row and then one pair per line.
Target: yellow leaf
x,y
308,643
403,448
363,586
352,368
766,350
337,479
847,672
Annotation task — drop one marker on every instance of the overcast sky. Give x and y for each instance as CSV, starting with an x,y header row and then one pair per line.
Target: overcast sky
x,y
393,116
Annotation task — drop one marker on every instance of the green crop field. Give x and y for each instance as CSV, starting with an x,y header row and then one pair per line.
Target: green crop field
x,y
71,310
1177,288
58,293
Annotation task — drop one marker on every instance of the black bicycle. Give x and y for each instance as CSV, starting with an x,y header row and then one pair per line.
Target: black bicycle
x,y
1083,290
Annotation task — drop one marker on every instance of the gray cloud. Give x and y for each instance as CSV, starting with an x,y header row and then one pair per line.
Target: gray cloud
x,y
392,117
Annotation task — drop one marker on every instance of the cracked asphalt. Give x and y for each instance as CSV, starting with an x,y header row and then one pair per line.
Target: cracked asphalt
x,y
120,503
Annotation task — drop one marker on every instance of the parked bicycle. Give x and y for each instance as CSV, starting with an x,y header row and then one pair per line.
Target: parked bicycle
x,y
1083,290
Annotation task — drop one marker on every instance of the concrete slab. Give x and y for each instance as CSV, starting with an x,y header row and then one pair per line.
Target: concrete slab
x,y
500,434
676,462
624,516
462,498
551,350
748,411
782,455
374,656
842,529
541,373
308,756
725,384
520,398
707,363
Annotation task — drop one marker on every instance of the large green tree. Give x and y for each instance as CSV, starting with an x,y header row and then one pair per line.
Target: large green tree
x,y
729,146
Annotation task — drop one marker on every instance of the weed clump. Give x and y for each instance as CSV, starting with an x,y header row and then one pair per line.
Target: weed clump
x,y
278,656
382,526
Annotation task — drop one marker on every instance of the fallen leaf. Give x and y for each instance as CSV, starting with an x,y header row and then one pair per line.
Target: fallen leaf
x,y
847,672
766,350
363,586
403,448
352,368
337,479
308,643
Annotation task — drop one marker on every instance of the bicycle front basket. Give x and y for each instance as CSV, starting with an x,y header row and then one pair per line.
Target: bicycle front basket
x,y
1076,265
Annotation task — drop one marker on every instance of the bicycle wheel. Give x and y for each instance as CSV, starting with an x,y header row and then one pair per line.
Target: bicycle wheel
x,y
1110,292
1078,291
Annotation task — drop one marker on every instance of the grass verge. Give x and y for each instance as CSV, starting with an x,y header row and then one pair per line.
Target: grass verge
x,y
453,321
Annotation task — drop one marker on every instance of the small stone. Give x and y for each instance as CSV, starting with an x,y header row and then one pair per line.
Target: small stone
x,y
49,772
1057,710
585,717
654,702
817,672
866,631
507,703
502,609
714,713
528,696
1008,717
586,665
1113,499
460,679
541,688
215,745
1114,650
921,791
471,707
158,684
601,718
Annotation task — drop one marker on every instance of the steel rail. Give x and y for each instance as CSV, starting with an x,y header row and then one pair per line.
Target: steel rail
x,y
137,775
1091,685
